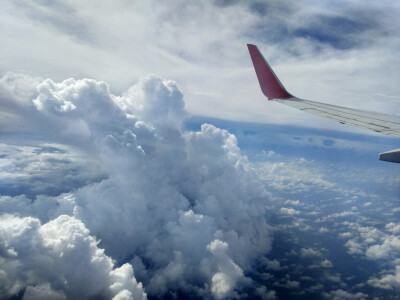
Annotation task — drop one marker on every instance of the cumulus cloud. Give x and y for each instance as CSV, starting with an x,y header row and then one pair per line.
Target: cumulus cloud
x,y
337,215
390,246
345,235
289,211
393,227
178,212
58,259
293,202
309,252
292,284
387,282
224,281
272,264
341,294
323,230
326,263
353,247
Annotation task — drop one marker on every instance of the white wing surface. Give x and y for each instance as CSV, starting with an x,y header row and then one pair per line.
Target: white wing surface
x,y
274,90
382,123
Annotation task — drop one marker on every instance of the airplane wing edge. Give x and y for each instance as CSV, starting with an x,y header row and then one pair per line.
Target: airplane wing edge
x,y
273,89
390,156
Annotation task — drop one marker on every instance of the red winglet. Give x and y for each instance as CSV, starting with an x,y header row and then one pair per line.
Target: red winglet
x,y
269,83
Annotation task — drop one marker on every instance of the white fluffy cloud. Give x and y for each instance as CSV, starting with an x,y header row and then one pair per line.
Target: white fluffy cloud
x,y
178,211
382,245
289,211
393,227
58,259
388,282
229,274
389,247
295,176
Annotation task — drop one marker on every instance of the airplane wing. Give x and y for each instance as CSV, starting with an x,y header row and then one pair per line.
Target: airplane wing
x,y
273,89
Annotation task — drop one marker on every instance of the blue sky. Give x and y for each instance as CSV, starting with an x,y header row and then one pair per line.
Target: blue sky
x,y
139,158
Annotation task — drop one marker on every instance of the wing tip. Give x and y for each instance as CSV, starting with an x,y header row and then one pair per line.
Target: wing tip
x,y
270,85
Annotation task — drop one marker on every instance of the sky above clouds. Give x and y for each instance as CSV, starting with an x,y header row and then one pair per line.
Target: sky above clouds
x,y
139,159
342,52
